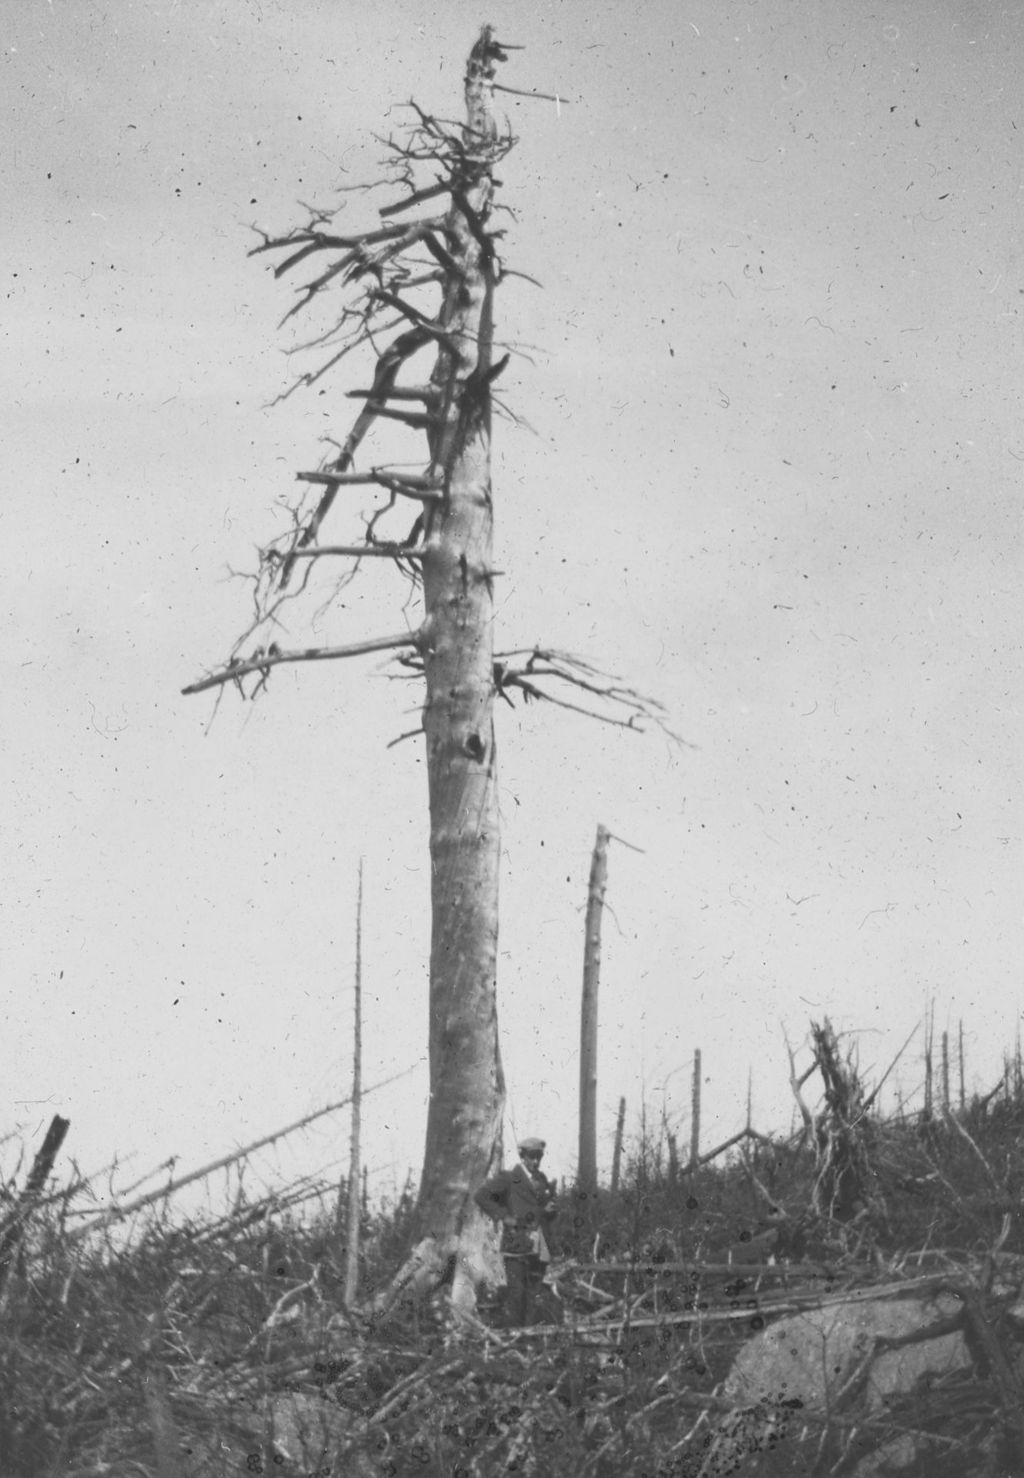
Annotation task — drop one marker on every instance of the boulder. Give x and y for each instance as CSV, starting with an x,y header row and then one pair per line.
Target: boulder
x,y
816,1355
849,1358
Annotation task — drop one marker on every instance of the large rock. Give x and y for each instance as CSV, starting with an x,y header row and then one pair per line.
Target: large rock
x,y
847,1358
815,1355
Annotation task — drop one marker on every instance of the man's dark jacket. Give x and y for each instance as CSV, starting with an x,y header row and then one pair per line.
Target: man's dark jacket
x,y
515,1193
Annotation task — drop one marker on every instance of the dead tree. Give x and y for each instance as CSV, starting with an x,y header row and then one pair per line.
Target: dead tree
x,y
421,279
620,1124
695,1109
844,1179
586,1174
12,1230
945,1072
352,1218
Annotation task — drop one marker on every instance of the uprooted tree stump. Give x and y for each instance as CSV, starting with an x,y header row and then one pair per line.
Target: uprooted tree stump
x,y
843,1185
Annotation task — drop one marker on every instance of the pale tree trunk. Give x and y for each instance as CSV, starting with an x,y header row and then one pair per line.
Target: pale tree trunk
x,y
586,1174
695,1111
620,1125
945,1072
352,1198
466,1083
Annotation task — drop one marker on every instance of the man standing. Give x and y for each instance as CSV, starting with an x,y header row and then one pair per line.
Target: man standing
x,y
521,1199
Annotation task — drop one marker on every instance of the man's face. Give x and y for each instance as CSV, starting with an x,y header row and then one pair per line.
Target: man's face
x,y
532,1158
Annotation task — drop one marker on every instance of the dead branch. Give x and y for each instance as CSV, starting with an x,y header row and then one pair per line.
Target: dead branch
x,y
625,707
796,1084
420,489
428,394
958,1128
266,604
385,550
881,1082
411,485
416,198
401,738
273,656
519,92
420,320
107,1215
356,247
415,420
329,479
388,364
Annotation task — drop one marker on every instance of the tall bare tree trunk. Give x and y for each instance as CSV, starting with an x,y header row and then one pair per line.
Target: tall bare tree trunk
x,y
620,1125
467,1091
586,1174
673,1159
695,1111
352,1209
945,1072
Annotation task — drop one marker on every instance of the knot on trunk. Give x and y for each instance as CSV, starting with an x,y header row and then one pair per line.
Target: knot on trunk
x,y
475,747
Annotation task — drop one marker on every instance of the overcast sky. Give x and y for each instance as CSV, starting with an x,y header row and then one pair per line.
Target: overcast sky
x,y
768,469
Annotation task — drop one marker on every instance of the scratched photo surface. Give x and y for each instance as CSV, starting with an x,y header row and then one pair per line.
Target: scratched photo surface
x,y
761,459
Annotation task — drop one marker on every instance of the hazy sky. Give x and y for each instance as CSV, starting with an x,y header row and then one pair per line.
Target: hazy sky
x,y
769,471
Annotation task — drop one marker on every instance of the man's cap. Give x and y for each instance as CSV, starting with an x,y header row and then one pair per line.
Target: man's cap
x,y
537,1146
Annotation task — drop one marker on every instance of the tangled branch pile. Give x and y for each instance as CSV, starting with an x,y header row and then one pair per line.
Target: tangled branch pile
x,y
187,1348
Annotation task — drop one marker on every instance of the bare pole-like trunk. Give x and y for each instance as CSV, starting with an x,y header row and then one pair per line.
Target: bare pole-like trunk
x,y
695,1110
620,1125
945,1072
467,1092
960,1056
12,1230
586,1174
352,1217
673,1159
